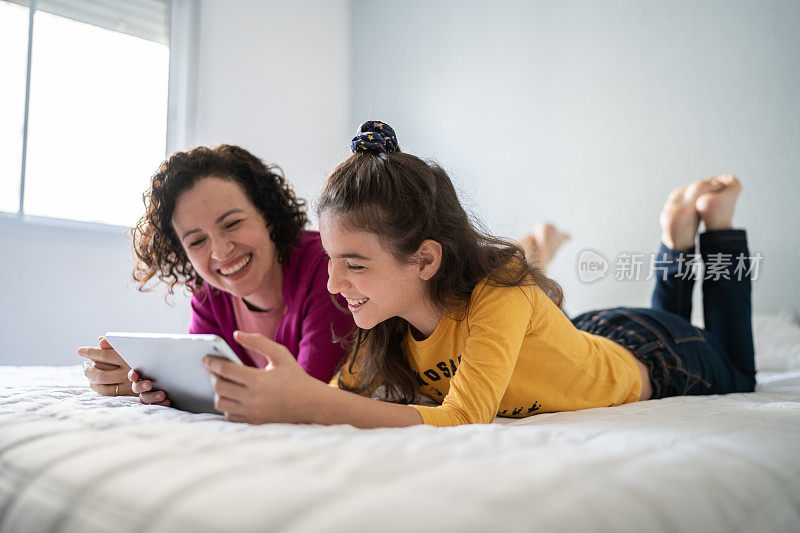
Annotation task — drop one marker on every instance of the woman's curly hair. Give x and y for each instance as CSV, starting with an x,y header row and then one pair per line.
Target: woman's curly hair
x,y
158,249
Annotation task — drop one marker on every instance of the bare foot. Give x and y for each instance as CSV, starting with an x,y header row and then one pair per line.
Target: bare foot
x,y
679,217
541,246
716,208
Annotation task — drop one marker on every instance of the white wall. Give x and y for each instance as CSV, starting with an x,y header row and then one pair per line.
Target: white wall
x,y
273,77
587,113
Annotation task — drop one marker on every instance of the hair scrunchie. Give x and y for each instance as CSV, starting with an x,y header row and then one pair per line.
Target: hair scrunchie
x,y
374,137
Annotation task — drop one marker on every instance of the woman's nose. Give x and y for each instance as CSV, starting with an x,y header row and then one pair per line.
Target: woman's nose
x,y
221,248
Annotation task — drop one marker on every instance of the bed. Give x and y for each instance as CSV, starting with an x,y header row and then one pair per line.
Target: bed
x,y
72,461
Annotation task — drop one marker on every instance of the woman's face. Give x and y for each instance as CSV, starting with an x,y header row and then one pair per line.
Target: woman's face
x,y
376,285
226,239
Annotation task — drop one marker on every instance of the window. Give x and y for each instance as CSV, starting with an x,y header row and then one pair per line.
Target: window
x,y
13,65
95,125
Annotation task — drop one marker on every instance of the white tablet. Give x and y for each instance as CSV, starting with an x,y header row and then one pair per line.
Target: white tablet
x,y
174,363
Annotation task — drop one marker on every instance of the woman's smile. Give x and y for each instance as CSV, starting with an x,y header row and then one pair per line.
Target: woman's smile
x,y
238,269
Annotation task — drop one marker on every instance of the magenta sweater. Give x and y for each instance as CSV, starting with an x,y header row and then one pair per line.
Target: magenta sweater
x,y
310,319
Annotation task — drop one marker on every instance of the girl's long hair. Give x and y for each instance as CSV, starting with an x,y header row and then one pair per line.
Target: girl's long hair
x,y
405,200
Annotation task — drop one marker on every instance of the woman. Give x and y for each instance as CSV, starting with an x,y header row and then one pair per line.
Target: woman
x,y
230,228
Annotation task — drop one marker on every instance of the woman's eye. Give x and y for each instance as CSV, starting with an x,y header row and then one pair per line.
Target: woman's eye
x,y
195,244
355,267
232,224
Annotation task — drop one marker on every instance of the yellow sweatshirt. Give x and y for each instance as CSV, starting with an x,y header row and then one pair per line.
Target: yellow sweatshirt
x,y
515,354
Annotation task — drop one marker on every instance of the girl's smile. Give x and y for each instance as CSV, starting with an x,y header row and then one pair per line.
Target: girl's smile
x,y
355,304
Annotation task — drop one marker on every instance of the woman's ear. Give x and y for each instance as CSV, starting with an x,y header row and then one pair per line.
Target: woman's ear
x,y
429,258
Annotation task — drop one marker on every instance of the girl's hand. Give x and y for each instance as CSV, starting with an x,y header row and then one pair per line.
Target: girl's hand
x,y
143,387
106,370
279,393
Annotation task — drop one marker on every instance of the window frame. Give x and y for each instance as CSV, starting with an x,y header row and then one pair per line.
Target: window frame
x,y
184,22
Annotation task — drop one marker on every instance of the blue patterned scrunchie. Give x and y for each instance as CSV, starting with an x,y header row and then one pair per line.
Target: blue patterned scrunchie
x,y
374,137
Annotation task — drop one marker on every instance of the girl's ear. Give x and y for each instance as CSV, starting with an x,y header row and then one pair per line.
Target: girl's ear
x,y
429,258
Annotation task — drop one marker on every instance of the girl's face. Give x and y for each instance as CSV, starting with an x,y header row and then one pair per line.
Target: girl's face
x,y
376,285
226,238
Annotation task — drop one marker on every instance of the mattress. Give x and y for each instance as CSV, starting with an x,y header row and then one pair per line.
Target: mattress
x,y
71,460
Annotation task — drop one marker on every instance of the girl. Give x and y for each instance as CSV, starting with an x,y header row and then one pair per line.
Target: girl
x,y
450,313
231,229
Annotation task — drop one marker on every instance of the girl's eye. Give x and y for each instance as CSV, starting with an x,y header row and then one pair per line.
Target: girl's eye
x,y
195,244
355,267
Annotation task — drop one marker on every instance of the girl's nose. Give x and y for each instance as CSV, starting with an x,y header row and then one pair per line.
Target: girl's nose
x,y
336,282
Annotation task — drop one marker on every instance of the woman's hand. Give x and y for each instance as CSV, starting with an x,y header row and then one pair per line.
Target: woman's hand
x,y
106,370
282,392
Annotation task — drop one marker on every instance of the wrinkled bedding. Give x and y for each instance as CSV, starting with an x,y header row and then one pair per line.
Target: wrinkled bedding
x,y
71,460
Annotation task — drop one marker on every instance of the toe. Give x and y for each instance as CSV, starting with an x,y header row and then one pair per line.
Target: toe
x,y
701,187
729,181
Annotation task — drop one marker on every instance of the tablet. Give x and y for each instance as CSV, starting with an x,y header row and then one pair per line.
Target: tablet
x,y
174,363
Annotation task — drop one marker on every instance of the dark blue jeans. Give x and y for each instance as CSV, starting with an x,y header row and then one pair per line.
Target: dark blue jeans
x,y
682,359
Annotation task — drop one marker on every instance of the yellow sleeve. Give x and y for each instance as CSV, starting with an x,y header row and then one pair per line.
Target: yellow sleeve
x,y
498,319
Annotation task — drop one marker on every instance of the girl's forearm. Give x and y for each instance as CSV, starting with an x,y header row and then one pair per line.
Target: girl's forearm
x,y
329,405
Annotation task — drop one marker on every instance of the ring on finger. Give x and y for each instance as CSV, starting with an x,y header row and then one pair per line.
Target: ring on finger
x,y
116,389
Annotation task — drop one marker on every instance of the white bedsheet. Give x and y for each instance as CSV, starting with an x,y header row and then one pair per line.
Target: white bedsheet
x,y
71,460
